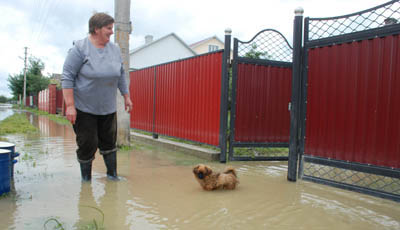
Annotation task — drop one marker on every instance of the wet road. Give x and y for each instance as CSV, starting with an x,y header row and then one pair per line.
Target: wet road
x,y
158,191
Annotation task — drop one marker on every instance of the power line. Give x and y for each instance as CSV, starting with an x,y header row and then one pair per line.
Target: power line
x,y
45,8
51,8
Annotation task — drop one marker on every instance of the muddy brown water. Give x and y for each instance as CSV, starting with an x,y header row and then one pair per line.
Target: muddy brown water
x,y
158,191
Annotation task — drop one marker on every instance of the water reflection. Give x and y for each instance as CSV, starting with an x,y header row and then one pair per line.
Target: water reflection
x,y
158,191
87,207
5,111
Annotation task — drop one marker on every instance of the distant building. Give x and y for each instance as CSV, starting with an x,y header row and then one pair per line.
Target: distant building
x,y
165,49
56,77
207,45
390,21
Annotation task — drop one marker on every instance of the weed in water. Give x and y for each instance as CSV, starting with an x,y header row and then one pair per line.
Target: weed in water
x,y
58,224
101,212
4,195
125,148
26,157
44,151
93,225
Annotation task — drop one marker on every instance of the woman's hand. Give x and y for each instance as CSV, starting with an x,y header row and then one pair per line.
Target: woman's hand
x,y
128,103
71,114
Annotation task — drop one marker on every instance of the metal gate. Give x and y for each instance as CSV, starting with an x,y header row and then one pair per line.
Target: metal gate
x,y
349,103
260,97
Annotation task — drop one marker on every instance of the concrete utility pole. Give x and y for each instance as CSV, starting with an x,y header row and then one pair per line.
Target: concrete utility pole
x,y
24,97
122,30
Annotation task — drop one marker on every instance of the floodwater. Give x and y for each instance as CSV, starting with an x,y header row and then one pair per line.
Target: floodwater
x,y
158,191
5,111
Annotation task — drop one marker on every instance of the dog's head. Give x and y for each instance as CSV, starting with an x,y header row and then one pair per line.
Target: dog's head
x,y
200,171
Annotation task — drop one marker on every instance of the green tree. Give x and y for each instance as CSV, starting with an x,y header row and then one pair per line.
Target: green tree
x,y
35,81
3,99
254,53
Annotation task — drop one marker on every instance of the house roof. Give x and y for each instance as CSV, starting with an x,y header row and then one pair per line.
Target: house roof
x,y
160,39
205,40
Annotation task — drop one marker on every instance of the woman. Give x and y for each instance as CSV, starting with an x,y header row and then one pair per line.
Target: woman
x,y
92,73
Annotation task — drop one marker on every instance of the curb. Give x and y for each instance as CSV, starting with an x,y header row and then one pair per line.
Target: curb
x,y
197,151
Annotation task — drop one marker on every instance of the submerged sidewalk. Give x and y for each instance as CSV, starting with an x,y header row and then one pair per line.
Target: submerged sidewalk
x,y
204,153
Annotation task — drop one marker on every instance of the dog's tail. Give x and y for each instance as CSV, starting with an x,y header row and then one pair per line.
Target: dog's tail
x,y
230,170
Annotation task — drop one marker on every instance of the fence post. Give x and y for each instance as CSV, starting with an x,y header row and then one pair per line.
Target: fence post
x,y
155,135
296,95
226,57
52,99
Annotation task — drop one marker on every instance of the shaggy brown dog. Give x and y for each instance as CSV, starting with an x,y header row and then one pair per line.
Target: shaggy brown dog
x,y
210,181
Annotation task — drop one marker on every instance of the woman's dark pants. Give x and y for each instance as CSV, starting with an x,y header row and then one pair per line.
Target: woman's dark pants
x,y
92,132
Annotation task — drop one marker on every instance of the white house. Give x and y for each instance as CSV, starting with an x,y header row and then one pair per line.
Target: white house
x,y
165,49
207,45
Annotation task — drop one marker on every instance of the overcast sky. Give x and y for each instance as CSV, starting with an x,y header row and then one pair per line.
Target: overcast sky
x,y
48,27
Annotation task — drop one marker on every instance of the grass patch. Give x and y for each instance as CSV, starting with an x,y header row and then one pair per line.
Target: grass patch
x,y
254,152
17,123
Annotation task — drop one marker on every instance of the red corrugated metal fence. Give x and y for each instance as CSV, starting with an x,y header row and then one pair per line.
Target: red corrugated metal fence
x,y
187,102
263,96
142,95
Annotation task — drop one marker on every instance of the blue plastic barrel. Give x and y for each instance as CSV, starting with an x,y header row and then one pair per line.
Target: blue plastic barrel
x,y
13,154
5,180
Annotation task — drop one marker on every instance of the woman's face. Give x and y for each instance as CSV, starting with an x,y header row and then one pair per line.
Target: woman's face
x,y
105,32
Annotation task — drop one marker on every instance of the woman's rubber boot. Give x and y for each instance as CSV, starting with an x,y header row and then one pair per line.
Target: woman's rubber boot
x,y
111,163
86,171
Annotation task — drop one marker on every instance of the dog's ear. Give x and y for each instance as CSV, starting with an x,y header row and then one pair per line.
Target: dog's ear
x,y
196,169
208,171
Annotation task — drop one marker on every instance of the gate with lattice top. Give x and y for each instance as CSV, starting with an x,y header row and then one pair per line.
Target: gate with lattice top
x,y
348,113
260,96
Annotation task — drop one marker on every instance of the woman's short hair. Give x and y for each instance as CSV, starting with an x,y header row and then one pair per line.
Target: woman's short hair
x,y
99,20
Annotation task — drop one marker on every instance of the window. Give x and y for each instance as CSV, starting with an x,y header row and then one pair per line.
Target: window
x,y
212,48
